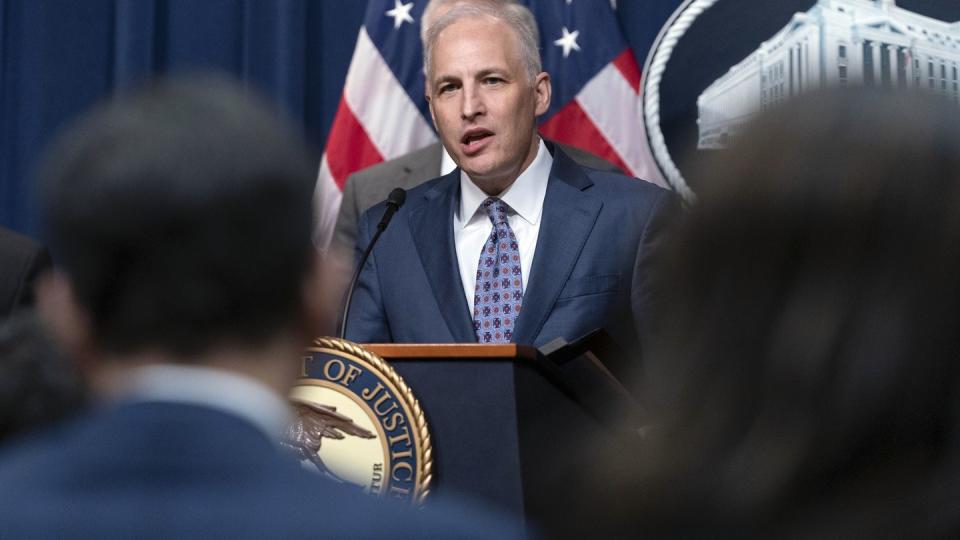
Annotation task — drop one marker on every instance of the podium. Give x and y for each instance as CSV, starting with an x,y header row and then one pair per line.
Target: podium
x,y
506,430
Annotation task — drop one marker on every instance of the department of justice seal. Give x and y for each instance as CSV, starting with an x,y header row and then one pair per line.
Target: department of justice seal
x,y
358,422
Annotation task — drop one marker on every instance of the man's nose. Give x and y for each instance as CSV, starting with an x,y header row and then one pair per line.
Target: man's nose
x,y
472,105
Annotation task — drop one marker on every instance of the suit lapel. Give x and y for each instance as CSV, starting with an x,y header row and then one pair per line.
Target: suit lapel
x,y
432,227
569,215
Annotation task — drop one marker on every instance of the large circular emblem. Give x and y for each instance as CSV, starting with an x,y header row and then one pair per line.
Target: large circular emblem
x,y
357,422
717,63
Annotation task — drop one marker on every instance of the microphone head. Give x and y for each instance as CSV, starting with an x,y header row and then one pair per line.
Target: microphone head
x,y
397,197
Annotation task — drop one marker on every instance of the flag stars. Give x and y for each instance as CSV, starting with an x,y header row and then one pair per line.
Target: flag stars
x,y
568,41
400,13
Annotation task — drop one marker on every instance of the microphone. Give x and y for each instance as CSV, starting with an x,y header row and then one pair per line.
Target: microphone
x,y
394,201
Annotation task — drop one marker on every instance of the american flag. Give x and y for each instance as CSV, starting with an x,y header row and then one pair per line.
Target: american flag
x,y
383,114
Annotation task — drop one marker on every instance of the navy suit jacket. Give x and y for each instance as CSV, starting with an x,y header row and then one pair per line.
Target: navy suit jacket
x,y
165,470
588,269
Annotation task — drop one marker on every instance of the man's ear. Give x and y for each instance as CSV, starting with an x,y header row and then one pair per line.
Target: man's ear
x,y
69,322
544,91
426,95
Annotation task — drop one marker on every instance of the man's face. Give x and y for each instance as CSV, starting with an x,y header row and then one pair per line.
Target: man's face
x,y
483,102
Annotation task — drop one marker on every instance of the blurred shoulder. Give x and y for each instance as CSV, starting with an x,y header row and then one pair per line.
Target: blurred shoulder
x,y
615,184
28,461
14,244
588,159
426,158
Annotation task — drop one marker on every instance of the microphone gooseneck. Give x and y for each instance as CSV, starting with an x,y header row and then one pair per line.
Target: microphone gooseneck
x,y
394,201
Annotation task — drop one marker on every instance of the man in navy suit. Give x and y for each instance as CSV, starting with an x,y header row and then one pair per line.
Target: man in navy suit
x,y
188,288
519,243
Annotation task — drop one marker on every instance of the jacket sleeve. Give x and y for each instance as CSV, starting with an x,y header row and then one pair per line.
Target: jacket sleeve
x,y
666,213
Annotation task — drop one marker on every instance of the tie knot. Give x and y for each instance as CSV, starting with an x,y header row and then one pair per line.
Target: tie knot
x,y
496,209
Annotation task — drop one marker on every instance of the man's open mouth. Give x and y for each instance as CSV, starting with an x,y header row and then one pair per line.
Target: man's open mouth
x,y
474,140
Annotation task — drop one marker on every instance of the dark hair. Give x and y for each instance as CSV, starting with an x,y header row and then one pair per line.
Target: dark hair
x,y
805,365
182,215
38,384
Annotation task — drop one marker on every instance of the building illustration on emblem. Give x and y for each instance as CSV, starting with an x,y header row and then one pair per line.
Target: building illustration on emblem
x,y
836,42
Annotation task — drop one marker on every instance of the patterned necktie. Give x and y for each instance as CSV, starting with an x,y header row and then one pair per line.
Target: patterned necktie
x,y
499,289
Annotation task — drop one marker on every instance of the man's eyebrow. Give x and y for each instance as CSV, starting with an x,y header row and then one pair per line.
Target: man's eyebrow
x,y
485,72
491,71
444,79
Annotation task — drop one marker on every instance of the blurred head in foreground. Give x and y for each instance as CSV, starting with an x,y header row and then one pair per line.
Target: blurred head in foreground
x,y
39,386
182,218
805,368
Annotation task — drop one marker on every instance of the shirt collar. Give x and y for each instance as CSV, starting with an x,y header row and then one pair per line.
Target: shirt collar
x,y
447,164
228,392
525,195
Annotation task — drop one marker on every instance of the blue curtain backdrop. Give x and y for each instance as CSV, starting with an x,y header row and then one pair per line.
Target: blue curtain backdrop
x,y
58,57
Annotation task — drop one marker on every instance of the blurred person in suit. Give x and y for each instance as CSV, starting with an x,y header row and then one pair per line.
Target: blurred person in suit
x,y
39,385
804,369
189,286
21,261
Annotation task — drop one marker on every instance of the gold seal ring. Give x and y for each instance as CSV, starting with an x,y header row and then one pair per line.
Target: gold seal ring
x,y
358,422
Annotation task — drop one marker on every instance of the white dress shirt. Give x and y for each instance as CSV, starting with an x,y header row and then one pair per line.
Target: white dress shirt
x,y
472,225
228,392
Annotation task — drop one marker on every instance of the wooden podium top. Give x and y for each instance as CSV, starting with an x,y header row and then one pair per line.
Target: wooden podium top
x,y
460,351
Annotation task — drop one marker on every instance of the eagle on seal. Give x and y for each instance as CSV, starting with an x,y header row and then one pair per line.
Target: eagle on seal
x,y
314,422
